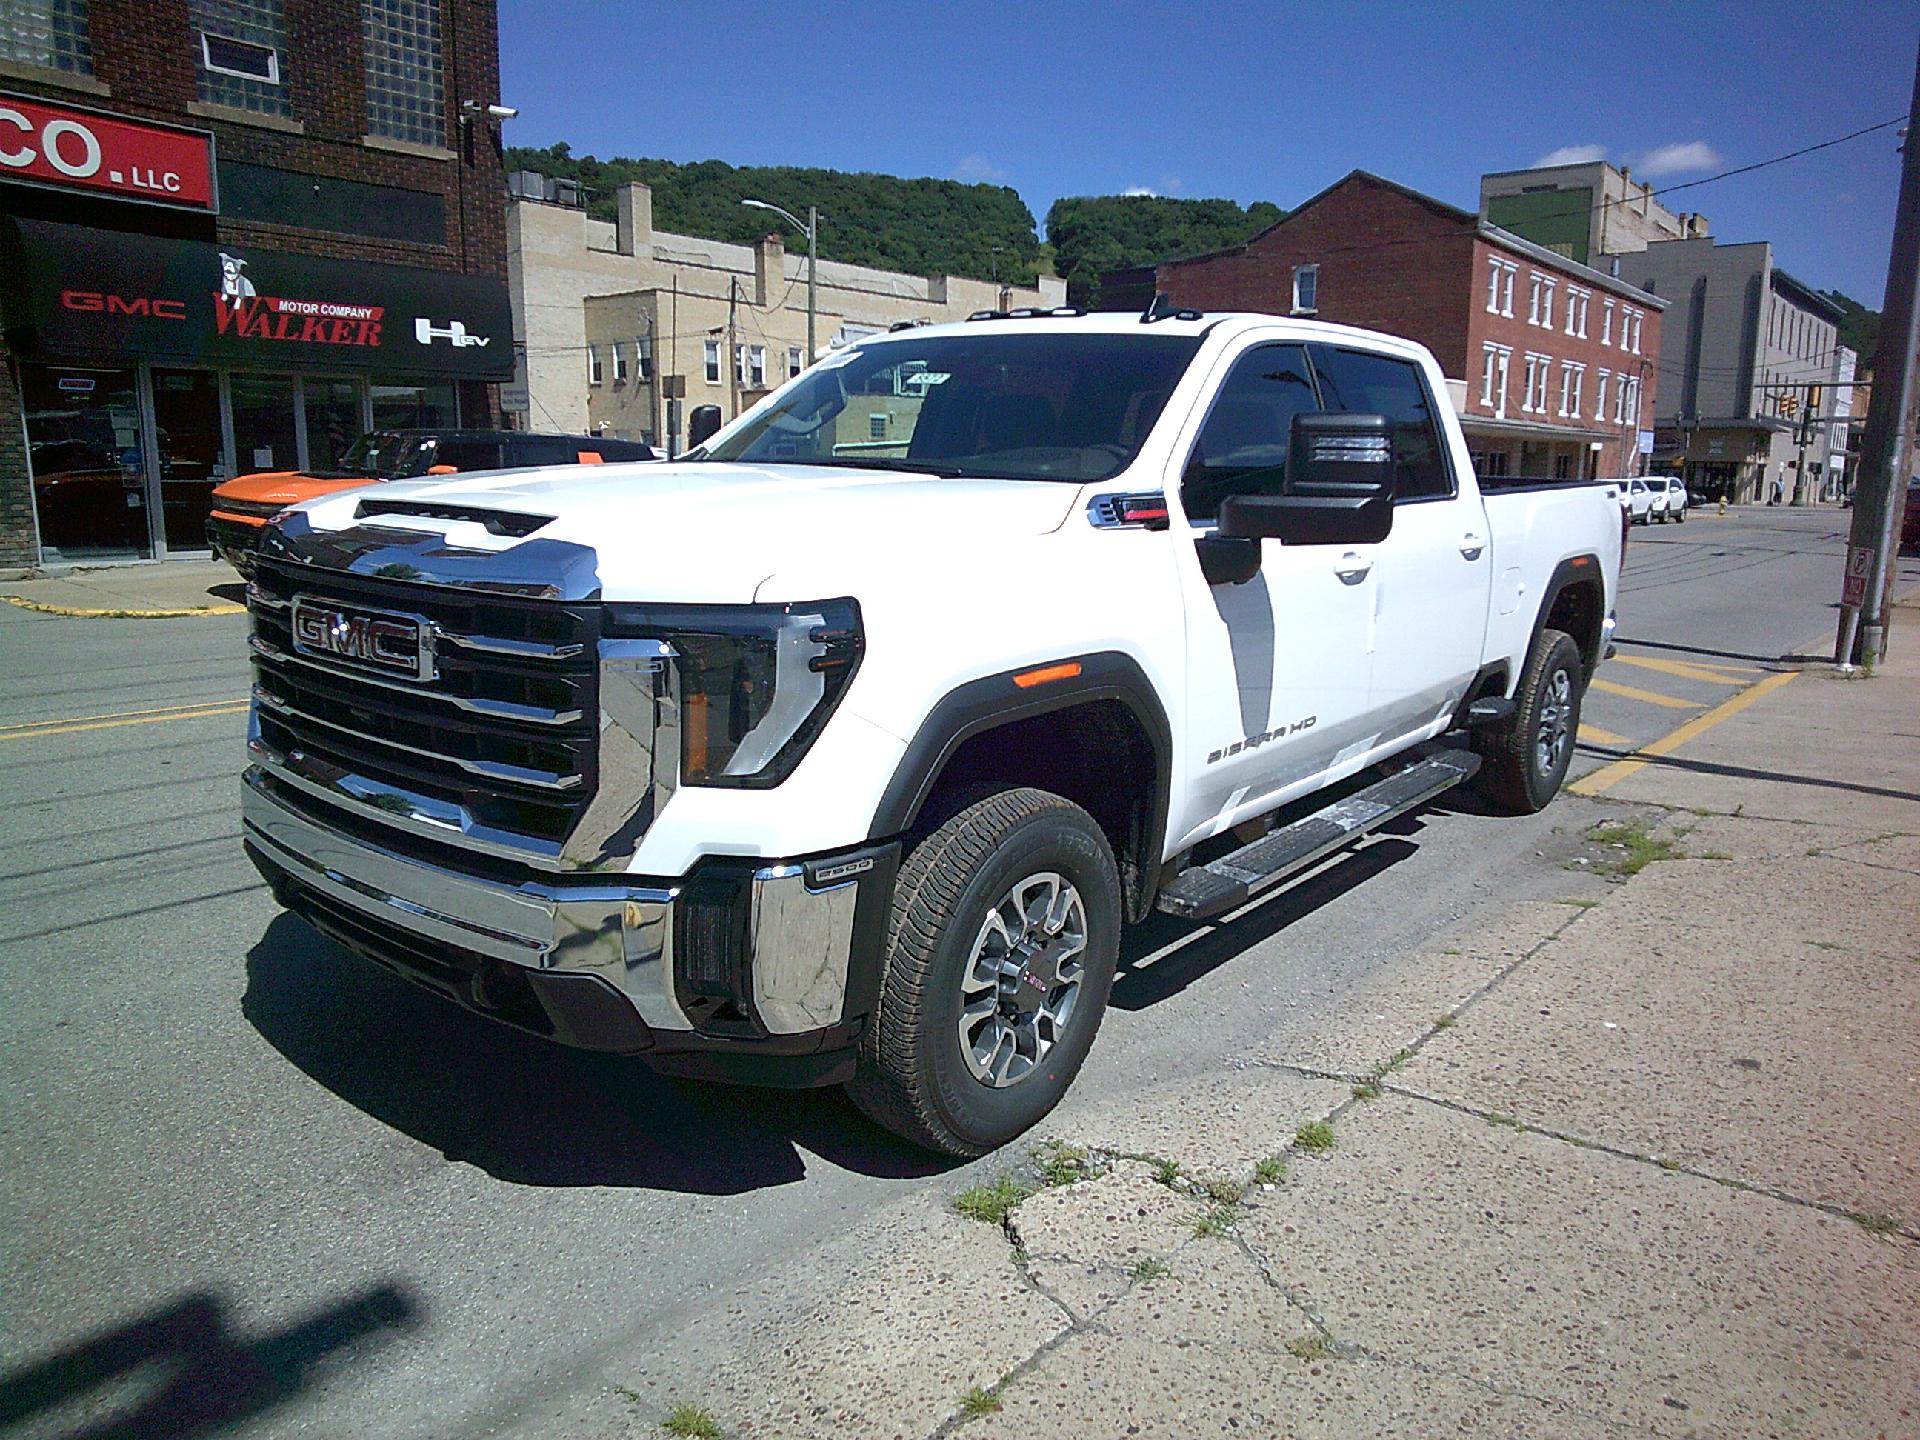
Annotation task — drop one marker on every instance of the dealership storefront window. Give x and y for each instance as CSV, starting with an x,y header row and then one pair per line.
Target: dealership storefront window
x,y
148,375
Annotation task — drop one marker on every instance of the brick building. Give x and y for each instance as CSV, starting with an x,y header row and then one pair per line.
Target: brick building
x,y
1552,364
234,234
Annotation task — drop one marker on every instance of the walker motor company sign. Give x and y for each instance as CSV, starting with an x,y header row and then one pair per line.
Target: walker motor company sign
x,y
72,149
74,293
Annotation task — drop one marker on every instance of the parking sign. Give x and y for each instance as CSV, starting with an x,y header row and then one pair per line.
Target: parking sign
x,y
1859,569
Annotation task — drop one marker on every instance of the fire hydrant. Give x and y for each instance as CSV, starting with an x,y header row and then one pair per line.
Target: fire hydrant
x,y
1723,502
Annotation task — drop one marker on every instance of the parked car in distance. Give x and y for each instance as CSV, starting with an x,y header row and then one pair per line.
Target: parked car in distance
x,y
1636,498
1669,499
242,506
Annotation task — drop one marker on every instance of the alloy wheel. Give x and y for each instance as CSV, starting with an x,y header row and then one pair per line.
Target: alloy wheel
x,y
1022,980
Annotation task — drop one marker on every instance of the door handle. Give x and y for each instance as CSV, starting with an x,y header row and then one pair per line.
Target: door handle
x,y
1352,568
1471,546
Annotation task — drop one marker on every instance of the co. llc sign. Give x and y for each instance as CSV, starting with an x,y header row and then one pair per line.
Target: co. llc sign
x,y
74,149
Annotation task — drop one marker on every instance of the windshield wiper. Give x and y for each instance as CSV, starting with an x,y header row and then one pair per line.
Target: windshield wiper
x,y
912,467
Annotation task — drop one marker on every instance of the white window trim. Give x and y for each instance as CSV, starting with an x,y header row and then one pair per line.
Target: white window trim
x,y
757,367
1633,402
595,375
1600,394
1536,282
1606,322
1313,272
1546,305
1566,384
795,361
1620,401
272,77
1493,285
710,353
643,356
1506,289
619,364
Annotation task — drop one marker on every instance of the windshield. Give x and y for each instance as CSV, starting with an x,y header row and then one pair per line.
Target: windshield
x,y
1072,406
383,455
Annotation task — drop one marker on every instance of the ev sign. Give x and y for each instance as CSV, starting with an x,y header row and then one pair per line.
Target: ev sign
x,y
72,149
1853,590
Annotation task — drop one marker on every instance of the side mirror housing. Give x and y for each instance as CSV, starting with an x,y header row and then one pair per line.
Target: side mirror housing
x,y
1338,488
703,423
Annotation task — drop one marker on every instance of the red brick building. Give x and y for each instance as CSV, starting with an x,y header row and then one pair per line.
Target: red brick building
x,y
235,234
1552,364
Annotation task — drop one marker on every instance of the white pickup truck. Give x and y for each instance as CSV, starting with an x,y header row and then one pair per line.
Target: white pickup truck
x,y
840,751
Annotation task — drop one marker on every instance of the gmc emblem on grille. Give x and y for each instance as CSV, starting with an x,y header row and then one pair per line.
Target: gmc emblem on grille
x,y
379,639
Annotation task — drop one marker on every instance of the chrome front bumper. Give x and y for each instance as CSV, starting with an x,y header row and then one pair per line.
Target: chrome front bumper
x,y
779,939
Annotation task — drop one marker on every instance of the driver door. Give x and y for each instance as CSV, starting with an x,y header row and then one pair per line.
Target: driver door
x,y
1278,668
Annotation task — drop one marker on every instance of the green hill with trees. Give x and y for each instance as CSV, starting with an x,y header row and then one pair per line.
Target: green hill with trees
x,y
1097,233
1860,329
920,227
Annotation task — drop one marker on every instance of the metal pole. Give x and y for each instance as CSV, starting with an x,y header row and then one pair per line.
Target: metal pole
x,y
1877,498
813,270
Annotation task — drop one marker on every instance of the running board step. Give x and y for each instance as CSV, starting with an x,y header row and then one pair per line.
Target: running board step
x,y
1209,890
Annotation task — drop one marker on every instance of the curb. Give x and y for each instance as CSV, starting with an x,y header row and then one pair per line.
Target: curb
x,y
119,614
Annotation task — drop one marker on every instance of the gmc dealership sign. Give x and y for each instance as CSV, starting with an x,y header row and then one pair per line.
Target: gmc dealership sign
x,y
75,149
70,293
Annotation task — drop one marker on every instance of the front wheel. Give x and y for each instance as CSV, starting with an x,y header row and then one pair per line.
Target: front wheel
x,y
1680,517
1000,955
1527,758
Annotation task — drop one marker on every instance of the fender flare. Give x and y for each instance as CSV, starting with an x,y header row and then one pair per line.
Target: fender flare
x,y
1583,569
993,701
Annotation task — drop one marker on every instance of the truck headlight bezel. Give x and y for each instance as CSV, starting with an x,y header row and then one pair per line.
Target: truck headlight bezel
x,y
755,684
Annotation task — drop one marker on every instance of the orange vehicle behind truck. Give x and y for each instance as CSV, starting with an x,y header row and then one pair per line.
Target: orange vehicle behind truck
x,y
242,506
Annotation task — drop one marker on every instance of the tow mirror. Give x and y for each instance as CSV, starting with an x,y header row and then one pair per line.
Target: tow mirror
x,y
1337,490
703,423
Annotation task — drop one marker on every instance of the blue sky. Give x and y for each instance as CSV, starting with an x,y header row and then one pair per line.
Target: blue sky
x,y
1258,101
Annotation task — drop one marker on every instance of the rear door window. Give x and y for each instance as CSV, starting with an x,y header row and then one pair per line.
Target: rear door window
x,y
468,454
1360,382
545,450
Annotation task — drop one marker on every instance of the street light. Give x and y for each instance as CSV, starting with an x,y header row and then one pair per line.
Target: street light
x,y
812,231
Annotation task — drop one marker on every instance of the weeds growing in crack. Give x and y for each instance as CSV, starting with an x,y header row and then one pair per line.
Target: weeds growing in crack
x,y
1223,1190
991,1202
1369,1090
1875,1224
1149,1270
977,1402
1443,1022
1313,1346
691,1423
1638,845
1269,1170
1061,1164
1392,1063
1315,1137
1166,1172
1216,1221
1495,1117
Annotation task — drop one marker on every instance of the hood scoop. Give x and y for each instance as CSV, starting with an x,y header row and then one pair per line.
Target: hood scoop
x,y
513,523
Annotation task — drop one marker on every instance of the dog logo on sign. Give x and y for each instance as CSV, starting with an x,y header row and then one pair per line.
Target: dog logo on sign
x,y
234,286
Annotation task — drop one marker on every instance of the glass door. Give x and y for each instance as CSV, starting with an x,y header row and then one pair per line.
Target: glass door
x,y
266,433
186,422
335,419
87,461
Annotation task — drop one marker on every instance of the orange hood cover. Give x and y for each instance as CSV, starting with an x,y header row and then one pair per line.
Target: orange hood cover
x,y
282,487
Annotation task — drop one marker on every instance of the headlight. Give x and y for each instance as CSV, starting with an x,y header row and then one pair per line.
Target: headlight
x,y
757,683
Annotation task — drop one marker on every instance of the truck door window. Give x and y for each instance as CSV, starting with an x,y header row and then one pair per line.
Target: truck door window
x,y
468,454
1242,449
1358,382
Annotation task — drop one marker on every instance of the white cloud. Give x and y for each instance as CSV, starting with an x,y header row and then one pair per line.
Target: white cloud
x,y
1677,159
1138,190
1571,155
977,169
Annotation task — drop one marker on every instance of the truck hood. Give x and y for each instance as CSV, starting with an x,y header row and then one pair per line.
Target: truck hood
x,y
708,531
282,487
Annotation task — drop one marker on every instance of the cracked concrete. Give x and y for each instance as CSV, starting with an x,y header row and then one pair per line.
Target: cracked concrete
x,y
1646,1162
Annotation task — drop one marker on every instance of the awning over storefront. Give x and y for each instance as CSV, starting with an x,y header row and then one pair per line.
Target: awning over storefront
x,y
1534,430
72,293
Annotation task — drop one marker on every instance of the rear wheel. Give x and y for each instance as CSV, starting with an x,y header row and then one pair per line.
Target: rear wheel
x,y
1527,758
1000,955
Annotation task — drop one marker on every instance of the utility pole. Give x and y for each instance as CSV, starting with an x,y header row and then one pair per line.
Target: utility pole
x,y
813,274
733,353
1877,499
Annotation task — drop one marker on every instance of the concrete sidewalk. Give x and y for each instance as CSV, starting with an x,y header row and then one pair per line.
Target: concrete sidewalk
x,y
155,591
1643,1162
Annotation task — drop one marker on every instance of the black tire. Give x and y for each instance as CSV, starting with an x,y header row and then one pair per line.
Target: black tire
x,y
1518,774
914,1075
1680,518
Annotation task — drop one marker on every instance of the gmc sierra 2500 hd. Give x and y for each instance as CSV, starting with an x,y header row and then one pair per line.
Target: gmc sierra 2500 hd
x,y
841,750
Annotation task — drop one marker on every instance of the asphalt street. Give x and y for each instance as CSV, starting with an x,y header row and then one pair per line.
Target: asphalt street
x,y
251,1185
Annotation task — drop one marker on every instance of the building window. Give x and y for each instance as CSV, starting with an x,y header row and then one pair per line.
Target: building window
x,y
1533,298
49,33
1493,286
1620,401
643,356
405,95
793,361
1633,401
237,45
713,362
1606,322
1573,379
1539,370
1546,304
1577,311
1600,396
1494,464
1563,467
619,363
593,365
1638,316
1500,275
1306,289
877,425
757,367
1493,378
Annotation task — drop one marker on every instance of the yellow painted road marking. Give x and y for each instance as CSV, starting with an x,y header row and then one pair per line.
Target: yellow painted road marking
x,y
1594,735
33,730
46,609
1611,775
1688,670
1608,687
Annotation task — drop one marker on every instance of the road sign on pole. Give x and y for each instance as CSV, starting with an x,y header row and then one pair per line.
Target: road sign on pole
x,y
1853,590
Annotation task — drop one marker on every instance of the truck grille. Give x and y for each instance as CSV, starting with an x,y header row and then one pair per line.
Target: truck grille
x,y
505,727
